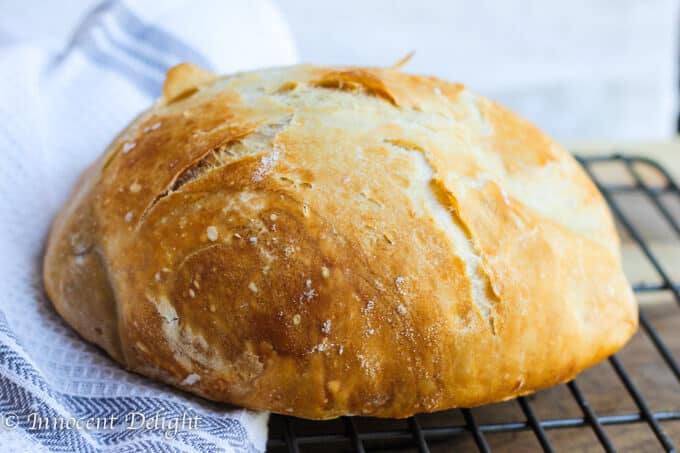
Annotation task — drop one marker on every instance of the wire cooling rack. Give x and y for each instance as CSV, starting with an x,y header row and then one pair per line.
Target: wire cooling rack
x,y
631,401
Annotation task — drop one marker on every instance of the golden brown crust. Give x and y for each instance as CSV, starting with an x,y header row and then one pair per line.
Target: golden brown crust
x,y
324,241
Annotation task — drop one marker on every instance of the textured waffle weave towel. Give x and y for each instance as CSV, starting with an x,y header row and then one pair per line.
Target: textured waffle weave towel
x,y
69,81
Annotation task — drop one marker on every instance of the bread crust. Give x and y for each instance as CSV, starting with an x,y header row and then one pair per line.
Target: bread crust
x,y
333,241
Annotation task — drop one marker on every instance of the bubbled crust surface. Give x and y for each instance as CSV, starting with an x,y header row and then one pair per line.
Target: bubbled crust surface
x,y
332,241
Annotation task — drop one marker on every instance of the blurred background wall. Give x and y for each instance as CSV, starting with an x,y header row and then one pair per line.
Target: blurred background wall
x,y
584,70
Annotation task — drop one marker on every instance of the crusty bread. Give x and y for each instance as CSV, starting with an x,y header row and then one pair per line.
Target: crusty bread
x,y
332,241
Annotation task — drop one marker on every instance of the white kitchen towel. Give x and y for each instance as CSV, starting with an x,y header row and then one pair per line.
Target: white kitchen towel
x,y
72,74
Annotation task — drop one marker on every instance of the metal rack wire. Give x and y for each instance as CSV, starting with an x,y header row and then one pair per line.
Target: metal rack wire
x,y
362,434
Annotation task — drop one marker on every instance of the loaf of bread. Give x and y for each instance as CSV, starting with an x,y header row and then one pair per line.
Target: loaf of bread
x,y
331,241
